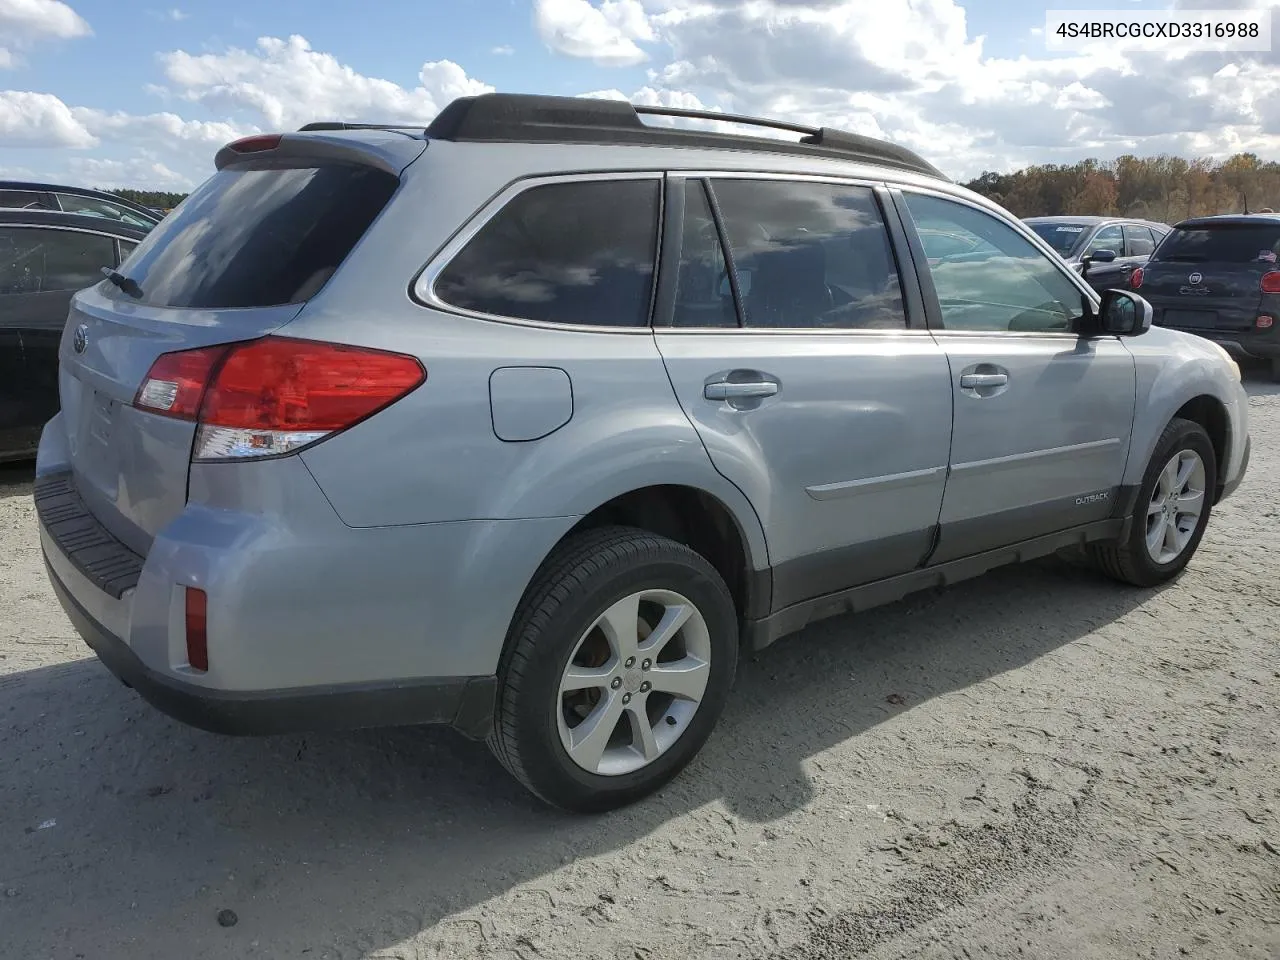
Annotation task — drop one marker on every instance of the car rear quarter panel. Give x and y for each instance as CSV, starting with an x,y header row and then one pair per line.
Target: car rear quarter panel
x,y
435,456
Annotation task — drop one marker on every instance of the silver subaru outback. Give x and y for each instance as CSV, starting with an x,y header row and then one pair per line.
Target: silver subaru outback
x,y
531,421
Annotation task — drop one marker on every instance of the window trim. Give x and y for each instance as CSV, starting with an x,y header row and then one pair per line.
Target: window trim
x,y
913,302
933,309
114,238
422,288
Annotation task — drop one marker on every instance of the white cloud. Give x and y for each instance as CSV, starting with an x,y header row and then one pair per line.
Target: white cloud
x,y
23,22
177,15
285,83
39,120
503,51
114,174
606,34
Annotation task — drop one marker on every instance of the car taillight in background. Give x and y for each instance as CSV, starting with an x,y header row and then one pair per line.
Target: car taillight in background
x,y
1264,322
1135,279
272,396
1270,282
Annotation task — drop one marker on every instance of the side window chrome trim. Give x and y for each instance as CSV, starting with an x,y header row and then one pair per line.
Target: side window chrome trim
x,y
65,229
422,288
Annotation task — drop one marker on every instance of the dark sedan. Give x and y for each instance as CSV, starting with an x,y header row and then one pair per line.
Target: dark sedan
x,y
45,257
61,198
1111,247
1219,277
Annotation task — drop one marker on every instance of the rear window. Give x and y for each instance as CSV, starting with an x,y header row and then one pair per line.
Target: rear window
x,y
1226,243
257,237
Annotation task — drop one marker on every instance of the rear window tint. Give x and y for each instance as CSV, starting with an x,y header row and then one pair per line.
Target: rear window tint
x,y
577,253
1227,243
258,237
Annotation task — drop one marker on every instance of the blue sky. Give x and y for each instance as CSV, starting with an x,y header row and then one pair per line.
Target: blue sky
x,y
91,94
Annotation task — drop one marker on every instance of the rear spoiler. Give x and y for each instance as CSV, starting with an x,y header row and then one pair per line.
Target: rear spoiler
x,y
265,150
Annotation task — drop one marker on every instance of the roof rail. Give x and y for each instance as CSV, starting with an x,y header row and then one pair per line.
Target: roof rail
x,y
344,125
527,118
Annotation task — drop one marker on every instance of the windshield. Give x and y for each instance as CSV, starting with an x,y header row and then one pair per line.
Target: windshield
x,y
1221,243
1061,236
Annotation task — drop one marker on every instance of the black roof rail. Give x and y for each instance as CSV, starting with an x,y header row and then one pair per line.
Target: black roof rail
x,y
344,125
528,118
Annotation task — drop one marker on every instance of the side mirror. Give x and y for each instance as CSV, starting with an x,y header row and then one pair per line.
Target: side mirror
x,y
1124,314
1102,256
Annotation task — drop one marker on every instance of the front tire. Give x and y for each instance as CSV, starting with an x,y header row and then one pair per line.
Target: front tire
x,y
618,663
1171,511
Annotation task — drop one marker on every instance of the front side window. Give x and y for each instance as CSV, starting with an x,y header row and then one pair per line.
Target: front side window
x,y
578,253
93,207
1108,238
1004,284
1137,241
810,255
37,260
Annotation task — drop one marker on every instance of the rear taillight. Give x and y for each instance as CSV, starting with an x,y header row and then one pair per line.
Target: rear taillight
x,y
1271,282
1135,279
175,384
1264,322
272,396
197,613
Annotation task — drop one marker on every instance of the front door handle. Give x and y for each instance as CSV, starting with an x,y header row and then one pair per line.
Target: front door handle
x,y
753,390
972,381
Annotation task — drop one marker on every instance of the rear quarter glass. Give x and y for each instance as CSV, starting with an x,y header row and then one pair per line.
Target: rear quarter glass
x,y
258,237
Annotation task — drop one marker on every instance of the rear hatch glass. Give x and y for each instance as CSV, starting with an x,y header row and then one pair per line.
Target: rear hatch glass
x,y
236,260
1208,276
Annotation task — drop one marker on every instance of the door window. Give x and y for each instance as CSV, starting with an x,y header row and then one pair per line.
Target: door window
x,y
1137,241
1004,283
34,260
1108,238
93,207
578,253
25,200
810,255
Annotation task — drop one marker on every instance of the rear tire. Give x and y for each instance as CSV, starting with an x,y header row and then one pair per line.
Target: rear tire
x,y
618,664
1171,510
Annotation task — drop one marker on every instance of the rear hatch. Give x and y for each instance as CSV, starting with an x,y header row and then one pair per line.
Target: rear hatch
x,y
1207,275
235,261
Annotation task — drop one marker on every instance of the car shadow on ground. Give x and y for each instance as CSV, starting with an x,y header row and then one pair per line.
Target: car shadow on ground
x,y
16,477
134,831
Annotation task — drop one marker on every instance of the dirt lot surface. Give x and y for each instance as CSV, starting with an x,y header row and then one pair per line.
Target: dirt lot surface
x,y
1035,764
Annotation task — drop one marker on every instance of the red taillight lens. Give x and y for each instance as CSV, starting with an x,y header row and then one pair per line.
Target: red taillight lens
x,y
256,143
271,396
1135,279
1264,322
1271,282
175,384
197,611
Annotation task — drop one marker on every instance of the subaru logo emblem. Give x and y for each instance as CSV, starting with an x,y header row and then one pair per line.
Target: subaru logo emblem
x,y
80,339
1194,278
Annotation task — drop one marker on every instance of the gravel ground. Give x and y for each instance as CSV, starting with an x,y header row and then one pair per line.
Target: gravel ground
x,y
1035,764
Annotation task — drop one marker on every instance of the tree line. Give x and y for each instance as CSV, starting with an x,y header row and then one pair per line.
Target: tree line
x,y
1163,188
159,199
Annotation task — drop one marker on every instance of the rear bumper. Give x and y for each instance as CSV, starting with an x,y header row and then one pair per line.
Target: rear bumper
x,y
465,703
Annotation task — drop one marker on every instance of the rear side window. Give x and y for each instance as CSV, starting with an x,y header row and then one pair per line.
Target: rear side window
x,y
810,255
1221,243
258,237
25,200
35,260
577,253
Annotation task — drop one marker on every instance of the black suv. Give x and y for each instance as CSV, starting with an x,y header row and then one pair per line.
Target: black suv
x,y
1219,277
45,257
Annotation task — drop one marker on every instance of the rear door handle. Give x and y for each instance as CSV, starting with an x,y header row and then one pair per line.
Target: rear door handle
x,y
752,390
971,381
